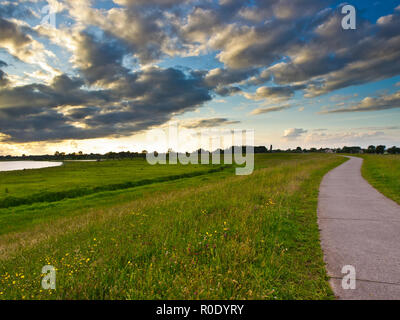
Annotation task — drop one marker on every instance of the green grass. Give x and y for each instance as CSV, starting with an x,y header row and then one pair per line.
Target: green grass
x,y
76,179
215,236
383,173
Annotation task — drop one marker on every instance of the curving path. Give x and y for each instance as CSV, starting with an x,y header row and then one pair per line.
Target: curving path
x,y
359,227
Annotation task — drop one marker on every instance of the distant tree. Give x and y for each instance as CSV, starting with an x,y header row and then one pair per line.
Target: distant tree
x,y
299,149
380,149
371,149
261,149
394,150
351,150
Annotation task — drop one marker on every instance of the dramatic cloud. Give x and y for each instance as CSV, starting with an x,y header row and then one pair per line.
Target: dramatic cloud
x,y
270,109
208,123
14,39
223,77
143,29
115,70
384,102
272,93
3,76
3,79
332,58
65,110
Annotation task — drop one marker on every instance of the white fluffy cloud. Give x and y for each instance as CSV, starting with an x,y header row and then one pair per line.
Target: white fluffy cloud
x,y
293,133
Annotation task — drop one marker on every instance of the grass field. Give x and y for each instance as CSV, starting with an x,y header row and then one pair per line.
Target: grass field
x,y
383,172
208,236
75,179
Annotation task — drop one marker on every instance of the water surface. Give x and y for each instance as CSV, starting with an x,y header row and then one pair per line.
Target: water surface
x,y
21,165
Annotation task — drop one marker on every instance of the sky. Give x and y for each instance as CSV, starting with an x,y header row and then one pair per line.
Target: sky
x,y
100,76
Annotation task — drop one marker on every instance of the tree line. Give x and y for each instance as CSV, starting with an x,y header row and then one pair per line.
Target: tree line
x,y
60,156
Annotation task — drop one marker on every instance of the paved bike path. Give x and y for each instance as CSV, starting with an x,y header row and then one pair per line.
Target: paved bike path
x,y
359,227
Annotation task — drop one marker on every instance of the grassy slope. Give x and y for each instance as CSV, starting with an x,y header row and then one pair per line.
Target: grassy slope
x,y
75,179
383,172
19,218
253,237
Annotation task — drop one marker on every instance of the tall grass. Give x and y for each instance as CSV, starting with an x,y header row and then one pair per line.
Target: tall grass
x,y
253,237
383,172
79,178
52,196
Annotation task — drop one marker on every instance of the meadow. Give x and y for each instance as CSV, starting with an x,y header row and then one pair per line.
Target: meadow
x,y
383,173
75,179
202,233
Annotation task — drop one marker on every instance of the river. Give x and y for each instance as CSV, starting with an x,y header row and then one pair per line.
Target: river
x,y
21,165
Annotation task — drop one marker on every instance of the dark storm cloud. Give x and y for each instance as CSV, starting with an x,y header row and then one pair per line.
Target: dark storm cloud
x,y
130,101
227,91
291,40
298,42
64,110
143,28
335,59
16,39
250,34
100,60
3,79
3,76
62,91
10,32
